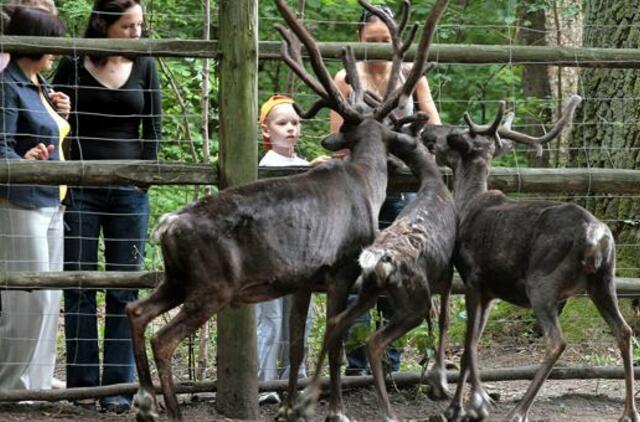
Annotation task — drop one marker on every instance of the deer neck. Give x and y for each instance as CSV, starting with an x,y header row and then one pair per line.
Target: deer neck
x,y
470,180
424,167
370,156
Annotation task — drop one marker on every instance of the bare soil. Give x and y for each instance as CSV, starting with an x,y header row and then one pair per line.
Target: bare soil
x,y
573,400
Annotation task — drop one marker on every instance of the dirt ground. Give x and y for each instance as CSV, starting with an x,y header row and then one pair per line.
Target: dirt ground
x,y
589,401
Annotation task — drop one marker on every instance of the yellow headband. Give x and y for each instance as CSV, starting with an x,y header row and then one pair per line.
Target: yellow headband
x,y
271,103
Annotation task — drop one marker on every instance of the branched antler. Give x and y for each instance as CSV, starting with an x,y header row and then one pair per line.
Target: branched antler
x,y
329,92
398,45
537,142
401,95
488,130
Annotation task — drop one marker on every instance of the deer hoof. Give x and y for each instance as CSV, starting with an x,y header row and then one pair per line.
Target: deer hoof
x,y
144,405
303,408
437,386
455,413
336,417
633,417
284,413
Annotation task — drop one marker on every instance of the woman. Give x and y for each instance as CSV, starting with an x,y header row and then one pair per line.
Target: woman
x,y
116,115
31,227
374,77
7,9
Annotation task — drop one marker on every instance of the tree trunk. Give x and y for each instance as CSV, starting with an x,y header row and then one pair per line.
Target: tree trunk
x,y
237,361
535,79
606,133
564,29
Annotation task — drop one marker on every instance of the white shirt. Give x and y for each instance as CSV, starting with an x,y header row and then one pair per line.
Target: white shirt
x,y
273,159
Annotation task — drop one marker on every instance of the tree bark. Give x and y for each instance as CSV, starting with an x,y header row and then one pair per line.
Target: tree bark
x,y
535,79
237,361
564,29
606,133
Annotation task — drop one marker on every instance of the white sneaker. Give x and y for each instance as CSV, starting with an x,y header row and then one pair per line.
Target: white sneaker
x,y
268,397
58,384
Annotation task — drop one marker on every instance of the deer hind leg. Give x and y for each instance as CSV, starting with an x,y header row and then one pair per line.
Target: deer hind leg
x,y
601,289
141,313
545,307
400,324
195,312
436,378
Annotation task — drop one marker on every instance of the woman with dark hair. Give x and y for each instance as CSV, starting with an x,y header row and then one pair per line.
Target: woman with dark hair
x,y
31,227
374,77
116,115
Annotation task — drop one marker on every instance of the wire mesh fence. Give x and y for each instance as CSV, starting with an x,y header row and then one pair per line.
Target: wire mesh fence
x,y
455,87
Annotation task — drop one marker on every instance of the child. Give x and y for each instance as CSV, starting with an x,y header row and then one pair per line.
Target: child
x,y
280,126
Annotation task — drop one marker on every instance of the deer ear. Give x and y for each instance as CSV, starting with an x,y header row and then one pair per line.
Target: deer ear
x,y
335,142
459,142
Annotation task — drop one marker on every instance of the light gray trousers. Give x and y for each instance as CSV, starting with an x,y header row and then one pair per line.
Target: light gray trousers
x,y
272,321
30,240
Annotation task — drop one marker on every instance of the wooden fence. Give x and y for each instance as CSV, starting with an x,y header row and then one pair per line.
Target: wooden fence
x,y
239,147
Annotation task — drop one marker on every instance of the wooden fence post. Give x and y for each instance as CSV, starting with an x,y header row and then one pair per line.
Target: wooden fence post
x,y
237,396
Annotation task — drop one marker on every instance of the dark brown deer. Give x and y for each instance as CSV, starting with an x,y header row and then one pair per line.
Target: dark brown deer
x,y
408,260
271,238
530,253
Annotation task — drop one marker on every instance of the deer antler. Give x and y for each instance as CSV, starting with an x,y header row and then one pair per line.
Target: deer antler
x,y
325,87
567,115
399,46
488,130
401,95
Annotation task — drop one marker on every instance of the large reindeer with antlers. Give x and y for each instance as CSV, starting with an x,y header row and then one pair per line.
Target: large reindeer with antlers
x,y
534,254
270,238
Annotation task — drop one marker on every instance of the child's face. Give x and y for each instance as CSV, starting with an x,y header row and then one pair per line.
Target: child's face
x,y
283,126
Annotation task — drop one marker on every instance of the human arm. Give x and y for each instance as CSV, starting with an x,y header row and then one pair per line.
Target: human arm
x,y
425,101
335,120
8,121
152,115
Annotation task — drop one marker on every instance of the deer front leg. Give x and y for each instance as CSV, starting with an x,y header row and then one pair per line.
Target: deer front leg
x,y
436,378
336,303
297,327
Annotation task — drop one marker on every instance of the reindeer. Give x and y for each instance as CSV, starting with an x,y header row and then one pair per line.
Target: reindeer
x,y
407,261
533,254
270,238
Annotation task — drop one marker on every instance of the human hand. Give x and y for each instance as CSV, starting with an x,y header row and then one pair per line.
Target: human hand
x,y
39,152
320,160
61,102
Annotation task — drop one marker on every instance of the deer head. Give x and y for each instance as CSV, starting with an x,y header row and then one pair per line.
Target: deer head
x,y
359,124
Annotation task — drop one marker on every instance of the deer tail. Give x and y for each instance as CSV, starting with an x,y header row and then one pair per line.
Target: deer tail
x,y
599,247
162,227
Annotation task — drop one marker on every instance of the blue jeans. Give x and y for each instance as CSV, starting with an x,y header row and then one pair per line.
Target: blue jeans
x,y
357,358
122,213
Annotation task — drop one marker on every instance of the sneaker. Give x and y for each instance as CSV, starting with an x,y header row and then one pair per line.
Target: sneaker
x,y
88,404
58,384
268,397
117,408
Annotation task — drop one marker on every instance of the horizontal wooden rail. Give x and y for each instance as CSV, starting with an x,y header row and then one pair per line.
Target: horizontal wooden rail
x,y
270,50
149,280
145,173
401,379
